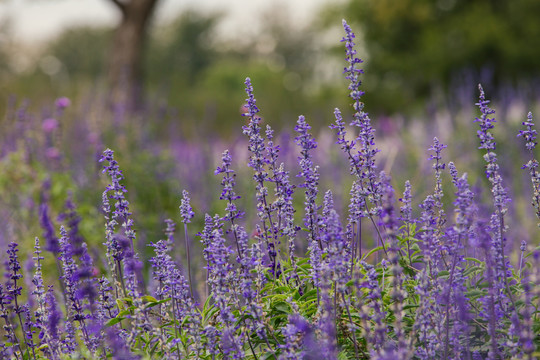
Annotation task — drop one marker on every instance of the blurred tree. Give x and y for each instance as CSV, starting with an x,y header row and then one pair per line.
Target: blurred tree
x,y
4,50
81,50
186,44
413,45
125,71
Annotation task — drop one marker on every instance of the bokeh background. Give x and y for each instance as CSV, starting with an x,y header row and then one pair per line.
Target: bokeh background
x,y
161,83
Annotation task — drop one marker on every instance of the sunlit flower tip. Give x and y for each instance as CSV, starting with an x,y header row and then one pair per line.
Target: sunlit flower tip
x,y
62,103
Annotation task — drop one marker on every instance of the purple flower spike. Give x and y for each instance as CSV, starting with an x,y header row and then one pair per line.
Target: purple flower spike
x,y
351,71
486,122
309,172
530,134
532,164
253,130
228,183
186,212
119,245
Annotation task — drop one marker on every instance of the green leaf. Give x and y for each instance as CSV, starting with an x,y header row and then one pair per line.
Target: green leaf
x,y
266,356
474,260
113,321
378,248
411,306
152,304
443,273
475,293
309,295
282,307
471,270
126,311
148,298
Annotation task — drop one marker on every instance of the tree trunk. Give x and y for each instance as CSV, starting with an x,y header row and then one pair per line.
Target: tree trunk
x,y
125,72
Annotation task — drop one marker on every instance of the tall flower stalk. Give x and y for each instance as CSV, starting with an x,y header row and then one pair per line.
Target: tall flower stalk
x,y
187,214
258,162
361,151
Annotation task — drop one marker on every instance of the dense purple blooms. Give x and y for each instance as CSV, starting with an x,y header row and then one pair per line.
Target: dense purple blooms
x,y
293,334
123,261
53,320
74,293
372,311
415,284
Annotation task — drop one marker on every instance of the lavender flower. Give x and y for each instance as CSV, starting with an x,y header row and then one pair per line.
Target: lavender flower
x,y
532,164
438,166
293,341
425,326
221,279
171,283
72,283
373,315
284,204
187,214
228,193
309,172
530,134
497,226
406,216
362,160
105,303
327,208
453,295
53,321
366,138
258,161
117,251
8,298
41,314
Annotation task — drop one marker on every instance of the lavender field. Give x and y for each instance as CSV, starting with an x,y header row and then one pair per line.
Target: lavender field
x,y
370,239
